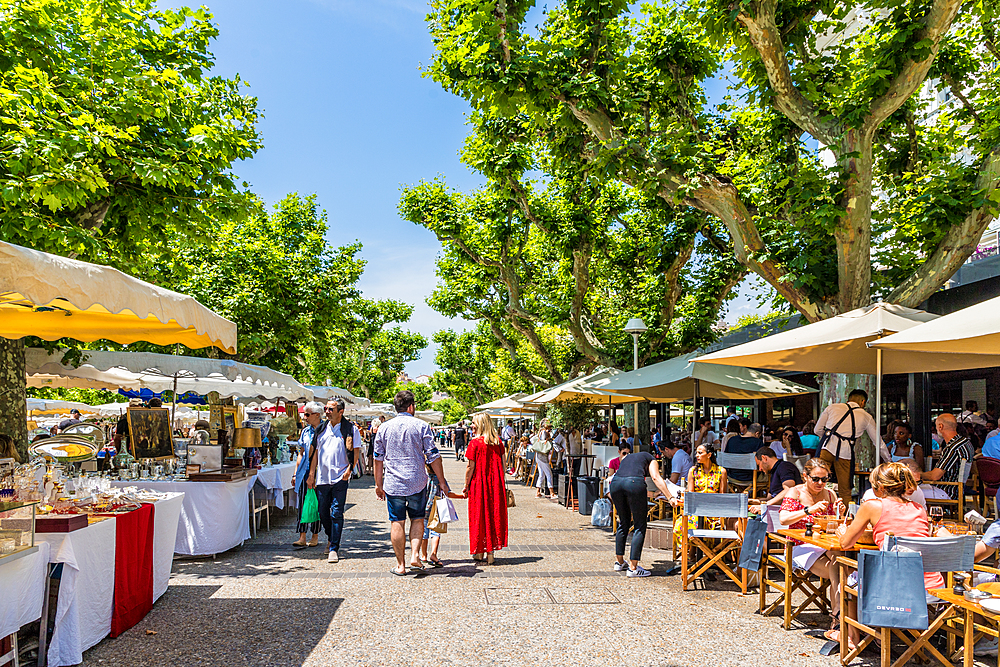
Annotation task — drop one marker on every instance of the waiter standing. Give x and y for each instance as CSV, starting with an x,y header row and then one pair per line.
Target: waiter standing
x,y
839,428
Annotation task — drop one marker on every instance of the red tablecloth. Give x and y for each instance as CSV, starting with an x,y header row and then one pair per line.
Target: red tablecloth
x,y
133,568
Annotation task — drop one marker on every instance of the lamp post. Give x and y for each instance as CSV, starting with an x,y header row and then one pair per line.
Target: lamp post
x,y
635,326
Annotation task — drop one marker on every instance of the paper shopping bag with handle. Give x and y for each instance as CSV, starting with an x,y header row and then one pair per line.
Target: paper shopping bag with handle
x,y
446,510
891,589
434,521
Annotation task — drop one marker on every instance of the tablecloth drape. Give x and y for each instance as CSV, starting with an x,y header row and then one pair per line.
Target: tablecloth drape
x,y
277,479
215,516
133,568
86,589
23,584
165,521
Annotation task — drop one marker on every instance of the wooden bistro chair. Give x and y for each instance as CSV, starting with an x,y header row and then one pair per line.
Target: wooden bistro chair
x,y
958,504
778,555
947,555
715,545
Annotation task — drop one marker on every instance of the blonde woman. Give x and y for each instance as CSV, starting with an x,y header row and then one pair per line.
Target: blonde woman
x,y
486,491
541,445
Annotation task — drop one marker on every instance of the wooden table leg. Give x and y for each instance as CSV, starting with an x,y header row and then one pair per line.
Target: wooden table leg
x,y
788,584
967,639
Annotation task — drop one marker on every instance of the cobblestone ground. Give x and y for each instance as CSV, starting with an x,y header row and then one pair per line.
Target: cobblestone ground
x,y
551,599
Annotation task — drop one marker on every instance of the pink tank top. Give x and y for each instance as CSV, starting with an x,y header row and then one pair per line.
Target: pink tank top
x,y
906,520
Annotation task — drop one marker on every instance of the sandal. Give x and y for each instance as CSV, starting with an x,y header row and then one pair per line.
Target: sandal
x,y
299,543
834,636
314,542
435,563
398,574
477,556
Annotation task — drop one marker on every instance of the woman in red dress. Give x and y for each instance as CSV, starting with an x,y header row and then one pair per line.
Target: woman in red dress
x,y
486,491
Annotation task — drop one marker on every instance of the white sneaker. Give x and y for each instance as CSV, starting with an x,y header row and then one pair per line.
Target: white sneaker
x,y
986,646
639,571
333,557
620,566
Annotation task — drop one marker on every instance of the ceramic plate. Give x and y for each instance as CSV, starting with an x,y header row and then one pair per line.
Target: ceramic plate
x,y
991,605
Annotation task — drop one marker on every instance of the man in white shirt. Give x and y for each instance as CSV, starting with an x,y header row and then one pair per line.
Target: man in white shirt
x,y
705,435
330,471
508,434
839,427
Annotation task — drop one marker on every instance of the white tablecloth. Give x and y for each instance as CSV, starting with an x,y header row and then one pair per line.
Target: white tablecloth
x,y
23,584
215,516
277,479
166,518
86,590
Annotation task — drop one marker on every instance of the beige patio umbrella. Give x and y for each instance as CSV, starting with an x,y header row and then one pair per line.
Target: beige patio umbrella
x,y
835,345
55,297
677,379
509,402
587,387
968,338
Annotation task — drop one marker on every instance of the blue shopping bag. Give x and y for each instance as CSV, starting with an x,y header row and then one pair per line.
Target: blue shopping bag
x,y
891,589
752,549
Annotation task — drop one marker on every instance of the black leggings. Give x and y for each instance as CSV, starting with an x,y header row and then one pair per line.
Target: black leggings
x,y
629,496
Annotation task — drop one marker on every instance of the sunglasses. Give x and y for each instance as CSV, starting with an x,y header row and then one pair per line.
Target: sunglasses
x,y
329,409
818,479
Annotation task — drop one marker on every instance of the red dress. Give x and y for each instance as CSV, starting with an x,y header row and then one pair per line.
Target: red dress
x,y
487,498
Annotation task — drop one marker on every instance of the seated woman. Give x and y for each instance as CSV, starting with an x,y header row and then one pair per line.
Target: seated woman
x,y
706,476
903,447
800,504
890,512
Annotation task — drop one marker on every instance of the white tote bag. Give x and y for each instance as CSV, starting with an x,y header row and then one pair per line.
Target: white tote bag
x,y
446,510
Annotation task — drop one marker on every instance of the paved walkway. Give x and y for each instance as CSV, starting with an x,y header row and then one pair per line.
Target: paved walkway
x,y
551,599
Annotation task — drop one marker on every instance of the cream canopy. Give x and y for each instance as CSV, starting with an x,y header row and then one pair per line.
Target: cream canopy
x,y
679,379
53,297
834,345
506,403
326,392
41,406
969,338
591,388
430,416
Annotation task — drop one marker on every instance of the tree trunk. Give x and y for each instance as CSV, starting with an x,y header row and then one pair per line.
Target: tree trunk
x,y
12,393
854,233
642,432
834,388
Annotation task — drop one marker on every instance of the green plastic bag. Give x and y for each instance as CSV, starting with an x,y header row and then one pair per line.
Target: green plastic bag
x,y
310,507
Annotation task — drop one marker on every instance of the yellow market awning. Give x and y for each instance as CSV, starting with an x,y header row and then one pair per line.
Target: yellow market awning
x,y
54,297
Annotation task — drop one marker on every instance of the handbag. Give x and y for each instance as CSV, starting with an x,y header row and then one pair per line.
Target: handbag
x,y
891,589
752,549
510,499
445,510
310,507
434,521
600,514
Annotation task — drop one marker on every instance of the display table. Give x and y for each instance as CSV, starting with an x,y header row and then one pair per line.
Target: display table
x,y
277,479
22,580
214,516
165,522
86,589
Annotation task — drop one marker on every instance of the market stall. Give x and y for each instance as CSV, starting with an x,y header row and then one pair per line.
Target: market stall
x,y
22,580
214,516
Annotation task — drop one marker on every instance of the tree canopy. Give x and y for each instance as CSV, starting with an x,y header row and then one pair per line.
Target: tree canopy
x,y
115,139
834,149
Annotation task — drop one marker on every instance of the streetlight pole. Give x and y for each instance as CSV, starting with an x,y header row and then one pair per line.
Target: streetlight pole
x,y
635,326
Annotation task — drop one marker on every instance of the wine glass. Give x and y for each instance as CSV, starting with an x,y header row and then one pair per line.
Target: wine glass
x,y
937,513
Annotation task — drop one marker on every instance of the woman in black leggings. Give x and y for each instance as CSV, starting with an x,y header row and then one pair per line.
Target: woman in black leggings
x,y
628,493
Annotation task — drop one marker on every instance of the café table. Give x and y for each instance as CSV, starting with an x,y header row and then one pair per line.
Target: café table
x,y
966,611
816,597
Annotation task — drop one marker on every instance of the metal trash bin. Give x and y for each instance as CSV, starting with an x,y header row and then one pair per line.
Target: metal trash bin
x,y
588,489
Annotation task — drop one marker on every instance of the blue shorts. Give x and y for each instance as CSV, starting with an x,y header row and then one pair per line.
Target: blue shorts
x,y
412,505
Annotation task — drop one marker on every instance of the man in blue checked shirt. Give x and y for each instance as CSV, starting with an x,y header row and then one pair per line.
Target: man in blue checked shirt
x,y
403,446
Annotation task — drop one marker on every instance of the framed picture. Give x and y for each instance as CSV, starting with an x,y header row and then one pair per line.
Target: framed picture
x,y
149,433
230,417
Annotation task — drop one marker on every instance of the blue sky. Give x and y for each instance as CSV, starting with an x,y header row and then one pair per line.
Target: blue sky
x,y
348,117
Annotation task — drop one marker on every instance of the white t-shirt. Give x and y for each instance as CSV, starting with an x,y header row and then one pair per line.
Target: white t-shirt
x,y
863,423
331,455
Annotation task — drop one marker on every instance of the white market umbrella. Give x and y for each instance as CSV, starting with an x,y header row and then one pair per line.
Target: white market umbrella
x,y
509,402
835,345
326,392
55,297
430,416
52,406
